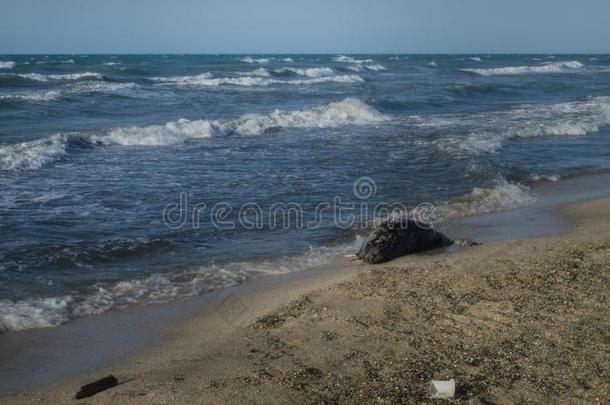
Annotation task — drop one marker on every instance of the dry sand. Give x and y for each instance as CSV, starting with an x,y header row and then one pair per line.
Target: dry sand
x,y
516,321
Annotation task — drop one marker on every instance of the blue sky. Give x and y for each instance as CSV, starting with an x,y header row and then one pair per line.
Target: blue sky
x,y
312,26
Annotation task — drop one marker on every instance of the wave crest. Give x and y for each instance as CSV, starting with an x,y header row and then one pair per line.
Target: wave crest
x,y
546,67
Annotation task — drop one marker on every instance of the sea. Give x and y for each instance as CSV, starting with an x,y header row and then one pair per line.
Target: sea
x,y
144,179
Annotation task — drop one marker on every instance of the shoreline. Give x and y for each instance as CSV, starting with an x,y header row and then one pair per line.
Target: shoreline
x,y
234,310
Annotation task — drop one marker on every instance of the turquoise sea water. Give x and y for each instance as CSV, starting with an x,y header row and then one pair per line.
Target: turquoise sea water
x,y
105,158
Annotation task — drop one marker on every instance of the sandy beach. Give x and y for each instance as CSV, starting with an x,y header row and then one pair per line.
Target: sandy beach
x,y
513,321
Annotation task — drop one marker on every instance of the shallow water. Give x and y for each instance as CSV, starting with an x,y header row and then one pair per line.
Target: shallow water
x,y
95,149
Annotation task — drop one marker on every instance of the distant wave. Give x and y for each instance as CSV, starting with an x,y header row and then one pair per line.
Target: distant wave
x,y
7,64
55,62
548,67
475,59
375,67
207,79
349,59
248,59
309,72
69,76
32,96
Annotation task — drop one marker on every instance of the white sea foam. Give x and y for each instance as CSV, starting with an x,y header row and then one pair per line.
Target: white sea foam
x,y
36,154
432,63
157,135
157,288
32,155
340,113
248,59
488,131
501,196
475,59
7,64
546,67
309,72
111,63
261,72
349,59
32,96
288,60
70,76
375,67
102,87
206,79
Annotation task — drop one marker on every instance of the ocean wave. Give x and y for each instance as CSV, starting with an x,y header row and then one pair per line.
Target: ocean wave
x,y
32,155
207,79
488,131
475,59
156,288
349,59
288,60
248,59
7,64
433,64
546,67
261,72
41,152
55,62
102,87
309,72
69,76
501,196
32,96
375,67
339,113
110,63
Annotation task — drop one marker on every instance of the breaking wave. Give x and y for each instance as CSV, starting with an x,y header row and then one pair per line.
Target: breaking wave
x,y
309,72
70,76
491,129
248,59
32,155
501,196
7,64
349,59
37,154
547,67
207,79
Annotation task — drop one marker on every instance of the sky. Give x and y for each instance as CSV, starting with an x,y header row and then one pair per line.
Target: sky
x,y
308,26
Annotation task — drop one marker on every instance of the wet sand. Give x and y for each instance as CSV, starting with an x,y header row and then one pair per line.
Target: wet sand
x,y
520,320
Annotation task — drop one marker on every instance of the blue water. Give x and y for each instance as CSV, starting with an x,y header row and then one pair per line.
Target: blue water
x,y
95,148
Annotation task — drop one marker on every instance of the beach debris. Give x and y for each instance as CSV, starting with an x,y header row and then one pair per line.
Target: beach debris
x,y
398,237
466,242
441,389
96,386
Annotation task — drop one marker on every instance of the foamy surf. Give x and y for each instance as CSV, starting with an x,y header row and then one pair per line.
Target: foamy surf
x,y
545,67
69,76
37,154
7,64
32,155
500,197
349,59
492,129
157,288
207,79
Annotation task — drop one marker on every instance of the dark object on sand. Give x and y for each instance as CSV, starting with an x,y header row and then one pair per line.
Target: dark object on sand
x,y
97,386
398,237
